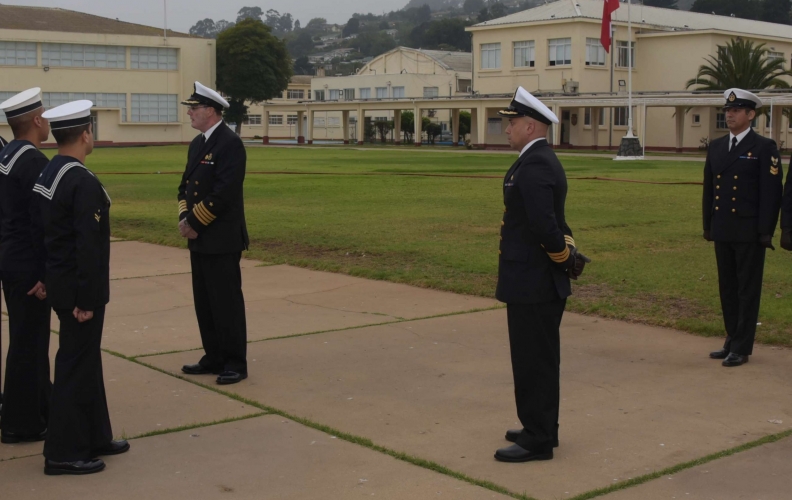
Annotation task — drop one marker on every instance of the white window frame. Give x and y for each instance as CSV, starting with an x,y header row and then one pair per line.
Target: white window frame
x,y
595,52
252,120
83,56
622,54
559,51
397,92
775,55
154,58
720,121
334,95
154,108
18,54
429,92
587,117
381,92
524,55
276,120
291,119
620,116
295,94
100,100
490,55
365,93
319,95
494,126
696,120
349,94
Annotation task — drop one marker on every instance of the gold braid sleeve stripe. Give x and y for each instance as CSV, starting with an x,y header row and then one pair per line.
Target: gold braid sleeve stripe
x,y
203,215
560,256
182,207
569,240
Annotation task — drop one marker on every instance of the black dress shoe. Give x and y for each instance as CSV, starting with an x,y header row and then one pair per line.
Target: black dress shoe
x,y
722,354
513,434
198,369
735,359
73,468
13,437
112,448
228,377
516,453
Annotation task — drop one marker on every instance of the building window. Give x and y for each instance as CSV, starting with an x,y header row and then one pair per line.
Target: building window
x,y
83,56
18,54
111,101
153,58
295,94
319,95
524,54
587,117
720,121
398,92
3,97
276,120
431,91
624,56
319,121
155,108
490,56
252,120
334,121
775,55
382,92
494,126
620,117
595,52
560,51
349,94
335,94
365,93
696,120
291,119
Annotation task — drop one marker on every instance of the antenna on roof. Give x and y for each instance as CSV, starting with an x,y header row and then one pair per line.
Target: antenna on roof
x,y
165,28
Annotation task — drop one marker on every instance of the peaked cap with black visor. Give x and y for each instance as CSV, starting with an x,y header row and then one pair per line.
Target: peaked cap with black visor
x,y
524,104
203,95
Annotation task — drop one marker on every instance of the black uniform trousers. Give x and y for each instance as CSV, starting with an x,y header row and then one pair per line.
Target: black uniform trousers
x,y
79,420
536,362
740,271
220,309
27,382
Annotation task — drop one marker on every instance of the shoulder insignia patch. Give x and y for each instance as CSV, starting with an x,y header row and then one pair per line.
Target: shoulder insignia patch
x,y
774,160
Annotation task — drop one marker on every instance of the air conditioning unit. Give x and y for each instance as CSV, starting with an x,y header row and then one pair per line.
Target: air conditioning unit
x,y
570,86
469,89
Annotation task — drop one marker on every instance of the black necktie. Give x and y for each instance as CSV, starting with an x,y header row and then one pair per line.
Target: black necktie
x,y
734,143
203,142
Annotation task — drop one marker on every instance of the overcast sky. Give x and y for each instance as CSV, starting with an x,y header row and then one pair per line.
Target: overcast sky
x,y
184,13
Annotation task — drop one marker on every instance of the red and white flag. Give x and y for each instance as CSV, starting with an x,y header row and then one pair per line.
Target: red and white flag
x,y
605,36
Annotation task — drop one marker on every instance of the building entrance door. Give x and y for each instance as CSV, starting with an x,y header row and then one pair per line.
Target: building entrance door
x,y
95,126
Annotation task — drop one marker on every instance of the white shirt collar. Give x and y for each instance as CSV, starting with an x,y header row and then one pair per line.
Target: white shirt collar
x,y
208,133
739,137
527,146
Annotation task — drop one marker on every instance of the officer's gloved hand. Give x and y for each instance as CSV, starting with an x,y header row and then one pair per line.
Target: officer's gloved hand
x,y
579,263
786,239
766,241
707,236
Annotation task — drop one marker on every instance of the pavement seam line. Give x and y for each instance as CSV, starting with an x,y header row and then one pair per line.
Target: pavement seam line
x,y
317,332
674,469
18,458
149,276
351,438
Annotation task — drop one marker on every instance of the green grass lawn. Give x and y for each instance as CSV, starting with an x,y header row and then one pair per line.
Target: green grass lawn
x,y
348,213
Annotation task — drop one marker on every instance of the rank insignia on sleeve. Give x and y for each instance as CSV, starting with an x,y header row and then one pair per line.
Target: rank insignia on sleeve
x,y
774,170
97,217
774,160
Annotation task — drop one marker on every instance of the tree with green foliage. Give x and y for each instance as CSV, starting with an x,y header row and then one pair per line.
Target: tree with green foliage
x,y
207,28
741,64
776,11
316,24
249,13
383,128
434,34
464,125
497,10
745,9
665,4
352,27
300,45
432,131
372,43
302,66
471,6
252,65
407,125
484,15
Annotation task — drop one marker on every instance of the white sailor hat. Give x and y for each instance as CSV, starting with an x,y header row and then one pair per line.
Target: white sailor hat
x,y
71,114
739,98
22,103
524,104
206,96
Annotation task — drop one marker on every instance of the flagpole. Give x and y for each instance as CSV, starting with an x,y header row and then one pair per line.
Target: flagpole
x,y
629,72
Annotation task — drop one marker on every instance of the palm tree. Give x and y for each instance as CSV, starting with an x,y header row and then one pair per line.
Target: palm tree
x,y
743,65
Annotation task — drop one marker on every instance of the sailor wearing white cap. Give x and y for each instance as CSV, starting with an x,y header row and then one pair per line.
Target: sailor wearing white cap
x,y
212,218
27,387
537,258
741,202
71,211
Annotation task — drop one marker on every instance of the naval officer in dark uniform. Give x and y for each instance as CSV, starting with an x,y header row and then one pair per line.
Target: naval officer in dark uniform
x,y
742,198
3,144
212,218
28,386
537,259
71,210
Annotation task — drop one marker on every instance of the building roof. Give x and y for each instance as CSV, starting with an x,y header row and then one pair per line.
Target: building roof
x,y
453,61
643,16
16,17
301,79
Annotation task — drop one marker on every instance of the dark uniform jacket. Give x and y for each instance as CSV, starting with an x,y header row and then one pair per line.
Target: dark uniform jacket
x,y
786,202
742,189
3,142
210,193
535,239
72,219
21,164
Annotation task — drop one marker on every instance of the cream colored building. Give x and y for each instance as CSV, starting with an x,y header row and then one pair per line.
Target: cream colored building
x,y
135,75
281,125
554,51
